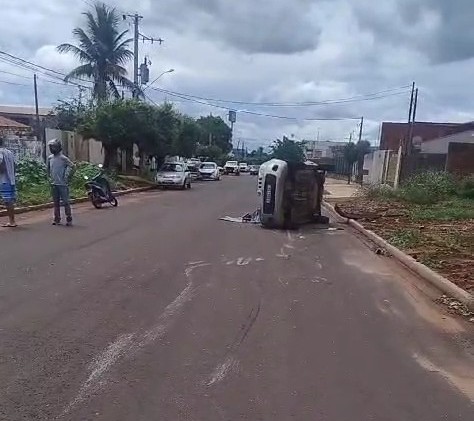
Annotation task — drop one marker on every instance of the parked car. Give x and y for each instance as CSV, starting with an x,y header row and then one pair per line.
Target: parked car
x,y
194,171
253,169
174,174
243,167
209,171
231,167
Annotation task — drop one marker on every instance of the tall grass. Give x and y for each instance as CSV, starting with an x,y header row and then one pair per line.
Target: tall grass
x,y
428,188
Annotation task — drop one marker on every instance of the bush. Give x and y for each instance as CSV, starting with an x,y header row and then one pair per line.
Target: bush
x,y
428,188
466,188
30,172
379,191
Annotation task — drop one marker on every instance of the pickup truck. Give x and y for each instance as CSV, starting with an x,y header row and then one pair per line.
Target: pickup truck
x,y
231,167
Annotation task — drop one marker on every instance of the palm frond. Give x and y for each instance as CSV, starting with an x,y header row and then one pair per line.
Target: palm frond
x,y
113,89
82,55
85,41
86,70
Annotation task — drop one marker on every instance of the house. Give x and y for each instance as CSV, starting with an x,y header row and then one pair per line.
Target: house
x,y
456,151
24,115
320,148
393,133
11,127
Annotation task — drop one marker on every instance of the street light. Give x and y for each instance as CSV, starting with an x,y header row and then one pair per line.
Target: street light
x,y
164,73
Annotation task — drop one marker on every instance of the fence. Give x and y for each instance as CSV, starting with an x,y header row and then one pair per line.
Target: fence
x,y
25,147
76,147
382,167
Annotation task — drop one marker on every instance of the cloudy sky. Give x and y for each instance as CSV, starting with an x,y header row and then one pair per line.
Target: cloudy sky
x,y
278,52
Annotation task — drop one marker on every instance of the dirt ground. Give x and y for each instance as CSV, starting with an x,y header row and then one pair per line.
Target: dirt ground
x,y
445,246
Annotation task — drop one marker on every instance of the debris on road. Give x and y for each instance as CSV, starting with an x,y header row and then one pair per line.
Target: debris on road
x,y
252,218
456,307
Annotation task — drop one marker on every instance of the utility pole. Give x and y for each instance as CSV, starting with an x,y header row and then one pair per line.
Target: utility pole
x,y
39,136
136,33
136,36
412,125
406,143
361,128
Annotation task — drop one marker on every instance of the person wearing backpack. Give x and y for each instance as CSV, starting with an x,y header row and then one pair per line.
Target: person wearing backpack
x,y
7,183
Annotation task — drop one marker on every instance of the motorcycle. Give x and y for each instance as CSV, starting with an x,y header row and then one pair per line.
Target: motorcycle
x,y
99,190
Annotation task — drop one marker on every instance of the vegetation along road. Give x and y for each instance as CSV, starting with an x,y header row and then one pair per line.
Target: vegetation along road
x,y
158,310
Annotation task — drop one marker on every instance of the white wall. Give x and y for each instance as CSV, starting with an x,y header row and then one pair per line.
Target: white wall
x,y
441,144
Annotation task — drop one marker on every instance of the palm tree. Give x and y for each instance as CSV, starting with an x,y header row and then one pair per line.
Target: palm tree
x,y
102,51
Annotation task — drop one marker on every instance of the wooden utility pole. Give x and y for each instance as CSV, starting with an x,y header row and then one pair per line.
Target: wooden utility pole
x,y
361,128
410,111
39,136
412,124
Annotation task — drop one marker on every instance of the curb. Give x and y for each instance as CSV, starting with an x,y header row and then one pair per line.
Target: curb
x,y
49,205
440,282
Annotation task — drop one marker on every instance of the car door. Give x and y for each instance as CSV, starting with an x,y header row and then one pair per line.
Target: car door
x,y
187,174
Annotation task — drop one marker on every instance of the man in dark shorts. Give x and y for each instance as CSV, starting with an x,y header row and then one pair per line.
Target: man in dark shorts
x,y
7,183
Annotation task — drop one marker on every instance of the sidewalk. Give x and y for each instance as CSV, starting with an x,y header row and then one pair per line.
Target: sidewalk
x,y
339,189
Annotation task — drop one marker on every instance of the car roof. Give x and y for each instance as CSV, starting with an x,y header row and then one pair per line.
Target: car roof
x,y
208,162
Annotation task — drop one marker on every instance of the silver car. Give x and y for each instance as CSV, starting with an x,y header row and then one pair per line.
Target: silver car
x,y
209,171
173,174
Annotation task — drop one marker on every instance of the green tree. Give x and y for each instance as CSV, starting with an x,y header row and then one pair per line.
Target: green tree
x,y
187,139
67,115
103,52
351,155
108,123
288,150
210,153
214,131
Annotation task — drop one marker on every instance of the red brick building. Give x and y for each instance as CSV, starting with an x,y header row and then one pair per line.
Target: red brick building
x,y
392,133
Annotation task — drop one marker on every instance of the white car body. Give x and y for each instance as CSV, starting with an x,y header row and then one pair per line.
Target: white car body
x,y
209,171
173,174
243,167
231,167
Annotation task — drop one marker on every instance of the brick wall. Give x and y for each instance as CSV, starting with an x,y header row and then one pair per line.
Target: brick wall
x,y
460,159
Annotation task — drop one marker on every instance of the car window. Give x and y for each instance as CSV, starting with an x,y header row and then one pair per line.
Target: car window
x,y
208,166
172,168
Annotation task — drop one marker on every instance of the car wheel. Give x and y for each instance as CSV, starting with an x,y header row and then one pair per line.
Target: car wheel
x,y
189,184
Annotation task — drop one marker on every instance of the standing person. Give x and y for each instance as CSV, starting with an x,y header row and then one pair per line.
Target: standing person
x,y
7,183
60,170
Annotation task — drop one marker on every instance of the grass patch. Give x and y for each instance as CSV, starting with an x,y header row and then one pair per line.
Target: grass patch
x,y
405,238
452,210
428,188
380,192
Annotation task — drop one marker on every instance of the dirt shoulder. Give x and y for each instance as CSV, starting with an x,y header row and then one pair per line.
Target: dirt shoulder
x,y
441,236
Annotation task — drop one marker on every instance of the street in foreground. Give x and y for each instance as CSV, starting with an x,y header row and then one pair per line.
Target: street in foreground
x,y
157,310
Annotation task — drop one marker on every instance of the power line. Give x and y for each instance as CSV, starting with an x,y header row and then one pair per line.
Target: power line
x,y
363,97
255,113
28,65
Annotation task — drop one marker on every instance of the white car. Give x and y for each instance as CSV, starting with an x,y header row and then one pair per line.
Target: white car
x,y
243,167
173,174
231,167
209,171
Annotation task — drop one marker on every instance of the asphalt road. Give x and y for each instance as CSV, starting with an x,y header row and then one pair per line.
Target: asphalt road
x,y
157,310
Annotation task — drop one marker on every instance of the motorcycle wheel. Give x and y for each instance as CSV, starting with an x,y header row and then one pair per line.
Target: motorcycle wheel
x,y
96,200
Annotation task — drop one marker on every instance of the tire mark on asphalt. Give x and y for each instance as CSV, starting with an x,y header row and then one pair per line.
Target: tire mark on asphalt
x,y
230,361
127,345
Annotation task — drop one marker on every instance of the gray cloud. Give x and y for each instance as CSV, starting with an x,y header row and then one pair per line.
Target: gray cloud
x,y
440,29
264,26
275,51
